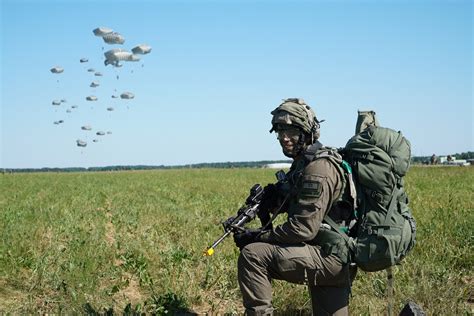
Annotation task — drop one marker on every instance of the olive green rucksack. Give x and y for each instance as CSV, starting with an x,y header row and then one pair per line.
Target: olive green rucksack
x,y
385,231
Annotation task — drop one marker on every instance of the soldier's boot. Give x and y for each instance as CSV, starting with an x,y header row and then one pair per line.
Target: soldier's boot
x,y
329,300
259,312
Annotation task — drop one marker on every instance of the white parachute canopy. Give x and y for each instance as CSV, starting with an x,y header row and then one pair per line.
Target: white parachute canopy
x,y
114,56
91,98
113,38
127,95
57,70
81,143
101,31
141,49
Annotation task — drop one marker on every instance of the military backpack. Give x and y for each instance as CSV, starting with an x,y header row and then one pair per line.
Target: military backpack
x,y
375,161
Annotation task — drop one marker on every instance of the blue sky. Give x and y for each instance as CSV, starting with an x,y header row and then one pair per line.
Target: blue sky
x,y
218,68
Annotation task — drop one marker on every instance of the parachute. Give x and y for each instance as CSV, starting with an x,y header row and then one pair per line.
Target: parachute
x,y
86,128
91,98
141,49
100,133
101,31
81,143
56,102
127,95
57,70
113,38
114,56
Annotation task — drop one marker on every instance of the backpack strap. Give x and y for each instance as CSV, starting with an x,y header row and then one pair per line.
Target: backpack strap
x,y
312,150
318,151
339,230
352,188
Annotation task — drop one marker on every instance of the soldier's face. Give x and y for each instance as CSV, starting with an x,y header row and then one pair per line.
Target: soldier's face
x,y
288,138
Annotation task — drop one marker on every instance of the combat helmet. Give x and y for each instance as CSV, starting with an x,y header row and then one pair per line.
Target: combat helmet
x,y
294,111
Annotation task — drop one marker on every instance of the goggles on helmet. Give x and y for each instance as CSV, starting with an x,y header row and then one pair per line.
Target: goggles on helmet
x,y
288,131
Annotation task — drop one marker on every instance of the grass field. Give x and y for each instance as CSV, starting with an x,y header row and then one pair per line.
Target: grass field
x,y
133,242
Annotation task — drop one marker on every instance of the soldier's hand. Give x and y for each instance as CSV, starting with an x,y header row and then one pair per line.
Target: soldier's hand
x,y
227,222
246,237
269,199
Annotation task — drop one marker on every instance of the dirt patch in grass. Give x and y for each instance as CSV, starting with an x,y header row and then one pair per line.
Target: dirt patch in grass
x,y
10,298
130,293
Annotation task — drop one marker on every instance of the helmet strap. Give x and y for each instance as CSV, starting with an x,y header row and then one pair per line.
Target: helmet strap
x,y
301,142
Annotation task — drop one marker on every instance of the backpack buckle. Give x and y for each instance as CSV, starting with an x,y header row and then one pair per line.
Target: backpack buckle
x,y
376,196
369,230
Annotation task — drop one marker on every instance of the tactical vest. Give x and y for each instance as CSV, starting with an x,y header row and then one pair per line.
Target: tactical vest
x,y
342,209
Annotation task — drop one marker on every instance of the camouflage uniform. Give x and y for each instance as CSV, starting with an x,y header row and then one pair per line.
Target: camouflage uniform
x,y
294,251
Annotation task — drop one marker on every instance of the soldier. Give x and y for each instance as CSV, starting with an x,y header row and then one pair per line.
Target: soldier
x,y
303,249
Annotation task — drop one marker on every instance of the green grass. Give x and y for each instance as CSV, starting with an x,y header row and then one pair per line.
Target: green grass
x,y
133,242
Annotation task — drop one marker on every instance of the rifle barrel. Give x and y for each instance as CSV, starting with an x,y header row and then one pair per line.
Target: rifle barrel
x,y
210,250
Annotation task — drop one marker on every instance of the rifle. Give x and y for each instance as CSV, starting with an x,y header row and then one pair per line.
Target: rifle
x,y
248,212
244,215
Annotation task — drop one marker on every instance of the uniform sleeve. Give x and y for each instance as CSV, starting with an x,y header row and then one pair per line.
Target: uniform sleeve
x,y
317,188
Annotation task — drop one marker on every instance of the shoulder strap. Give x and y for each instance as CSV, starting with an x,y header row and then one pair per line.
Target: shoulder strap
x,y
311,151
317,151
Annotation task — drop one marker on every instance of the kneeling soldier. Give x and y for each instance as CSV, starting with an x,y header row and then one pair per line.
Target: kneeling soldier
x,y
303,249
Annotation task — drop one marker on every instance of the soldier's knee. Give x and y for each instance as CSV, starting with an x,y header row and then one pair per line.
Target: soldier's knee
x,y
247,254
250,251
253,254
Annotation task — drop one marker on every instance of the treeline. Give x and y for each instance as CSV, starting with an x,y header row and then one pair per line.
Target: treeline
x,y
466,155
246,164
